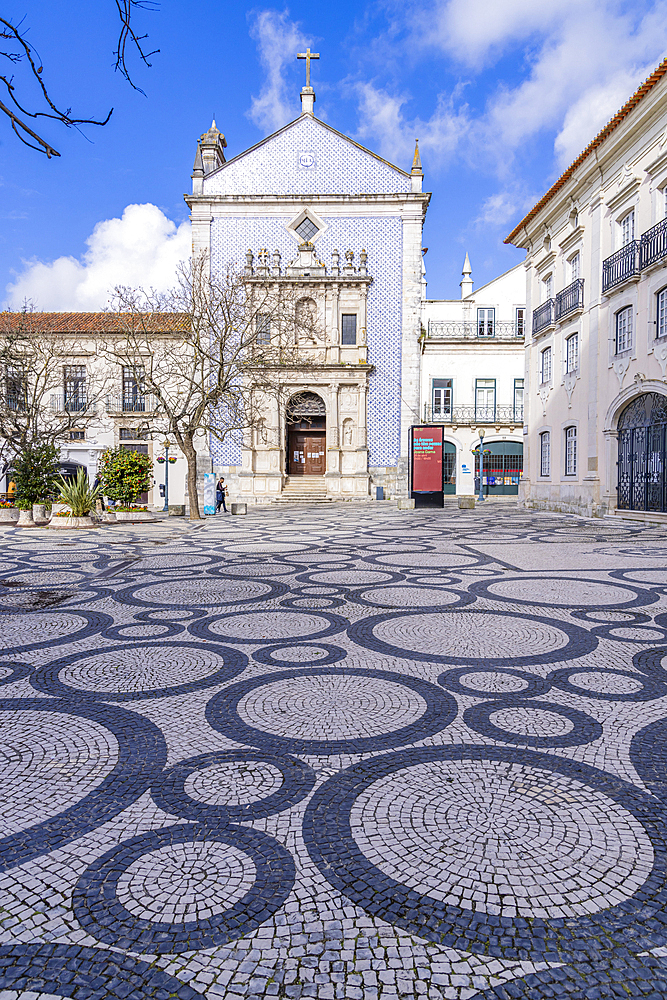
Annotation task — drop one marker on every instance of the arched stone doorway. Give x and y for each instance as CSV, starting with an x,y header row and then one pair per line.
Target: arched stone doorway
x,y
642,483
306,435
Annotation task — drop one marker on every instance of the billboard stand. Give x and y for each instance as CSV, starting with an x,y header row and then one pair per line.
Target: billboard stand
x,y
427,487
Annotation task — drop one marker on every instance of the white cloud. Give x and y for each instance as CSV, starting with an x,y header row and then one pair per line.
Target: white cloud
x,y
278,40
141,249
381,120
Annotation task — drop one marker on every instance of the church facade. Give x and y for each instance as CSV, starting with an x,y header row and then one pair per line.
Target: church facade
x,y
310,206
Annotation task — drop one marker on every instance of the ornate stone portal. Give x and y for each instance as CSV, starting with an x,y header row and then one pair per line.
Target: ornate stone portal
x,y
317,426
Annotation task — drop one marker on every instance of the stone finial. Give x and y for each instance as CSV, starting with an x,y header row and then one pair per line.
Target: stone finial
x,y
276,262
335,262
263,258
363,262
211,145
249,258
467,283
349,258
417,173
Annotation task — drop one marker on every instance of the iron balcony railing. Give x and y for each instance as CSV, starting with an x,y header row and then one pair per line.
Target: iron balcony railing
x,y
570,299
442,329
620,266
474,415
70,404
136,403
544,316
653,244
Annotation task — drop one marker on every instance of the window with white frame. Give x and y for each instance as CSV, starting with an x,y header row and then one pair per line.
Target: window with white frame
x,y
572,353
545,365
570,451
624,330
547,288
442,398
545,453
661,313
520,324
627,226
485,399
575,266
486,319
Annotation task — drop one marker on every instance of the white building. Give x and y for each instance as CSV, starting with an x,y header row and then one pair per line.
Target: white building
x,y
596,268
472,380
311,206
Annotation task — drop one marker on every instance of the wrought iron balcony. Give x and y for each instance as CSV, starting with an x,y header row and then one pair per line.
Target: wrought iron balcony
x,y
138,403
621,266
653,244
570,299
544,316
442,329
70,404
460,415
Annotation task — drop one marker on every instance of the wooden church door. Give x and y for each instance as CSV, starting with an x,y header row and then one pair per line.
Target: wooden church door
x,y
307,453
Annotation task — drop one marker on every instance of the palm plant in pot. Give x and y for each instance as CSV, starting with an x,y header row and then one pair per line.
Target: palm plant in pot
x,y
80,497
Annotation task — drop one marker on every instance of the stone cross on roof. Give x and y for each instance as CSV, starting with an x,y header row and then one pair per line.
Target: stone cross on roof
x,y
308,55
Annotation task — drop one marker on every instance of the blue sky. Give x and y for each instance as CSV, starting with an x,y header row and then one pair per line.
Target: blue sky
x,y
502,94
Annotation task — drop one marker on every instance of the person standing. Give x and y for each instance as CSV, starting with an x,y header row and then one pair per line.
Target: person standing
x,y
220,494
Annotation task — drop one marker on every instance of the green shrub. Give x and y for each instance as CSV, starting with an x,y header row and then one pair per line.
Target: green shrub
x,y
36,473
125,475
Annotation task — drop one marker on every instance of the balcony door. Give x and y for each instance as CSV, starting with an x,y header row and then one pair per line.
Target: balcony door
x,y
485,399
442,398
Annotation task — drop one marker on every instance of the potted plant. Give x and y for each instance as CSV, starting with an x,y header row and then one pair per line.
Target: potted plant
x,y
9,513
80,497
125,476
36,471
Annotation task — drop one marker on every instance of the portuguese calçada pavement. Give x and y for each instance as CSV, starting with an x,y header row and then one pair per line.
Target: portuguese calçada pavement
x,y
343,752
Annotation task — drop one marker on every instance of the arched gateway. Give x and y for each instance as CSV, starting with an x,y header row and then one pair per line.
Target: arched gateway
x,y
642,482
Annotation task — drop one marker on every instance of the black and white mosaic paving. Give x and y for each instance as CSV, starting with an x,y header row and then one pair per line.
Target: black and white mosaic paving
x,y
343,753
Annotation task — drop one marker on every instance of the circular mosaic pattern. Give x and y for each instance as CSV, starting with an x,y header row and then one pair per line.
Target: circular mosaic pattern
x,y
269,626
179,863
143,630
532,723
145,670
419,560
500,682
606,684
69,767
563,592
442,637
450,842
406,597
61,970
202,592
311,655
330,710
233,786
352,577
54,628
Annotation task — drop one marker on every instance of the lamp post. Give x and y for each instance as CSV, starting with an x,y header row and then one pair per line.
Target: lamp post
x,y
481,465
165,509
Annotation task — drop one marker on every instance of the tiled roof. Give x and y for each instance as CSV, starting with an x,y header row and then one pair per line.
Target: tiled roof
x,y
93,322
648,85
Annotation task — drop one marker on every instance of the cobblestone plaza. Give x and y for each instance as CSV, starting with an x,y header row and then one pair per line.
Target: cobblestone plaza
x,y
339,752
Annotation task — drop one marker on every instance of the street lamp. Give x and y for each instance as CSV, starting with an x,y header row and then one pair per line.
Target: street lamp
x,y
165,509
481,465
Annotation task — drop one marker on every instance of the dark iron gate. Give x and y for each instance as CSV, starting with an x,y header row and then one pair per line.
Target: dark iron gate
x,y
642,479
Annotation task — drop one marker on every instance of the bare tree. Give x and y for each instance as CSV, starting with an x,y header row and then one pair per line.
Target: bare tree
x,y
18,51
238,344
43,394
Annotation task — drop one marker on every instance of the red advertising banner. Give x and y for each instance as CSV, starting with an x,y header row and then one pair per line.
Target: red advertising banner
x,y
427,459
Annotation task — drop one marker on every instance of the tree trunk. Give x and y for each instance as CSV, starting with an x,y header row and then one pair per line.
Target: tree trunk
x,y
188,448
